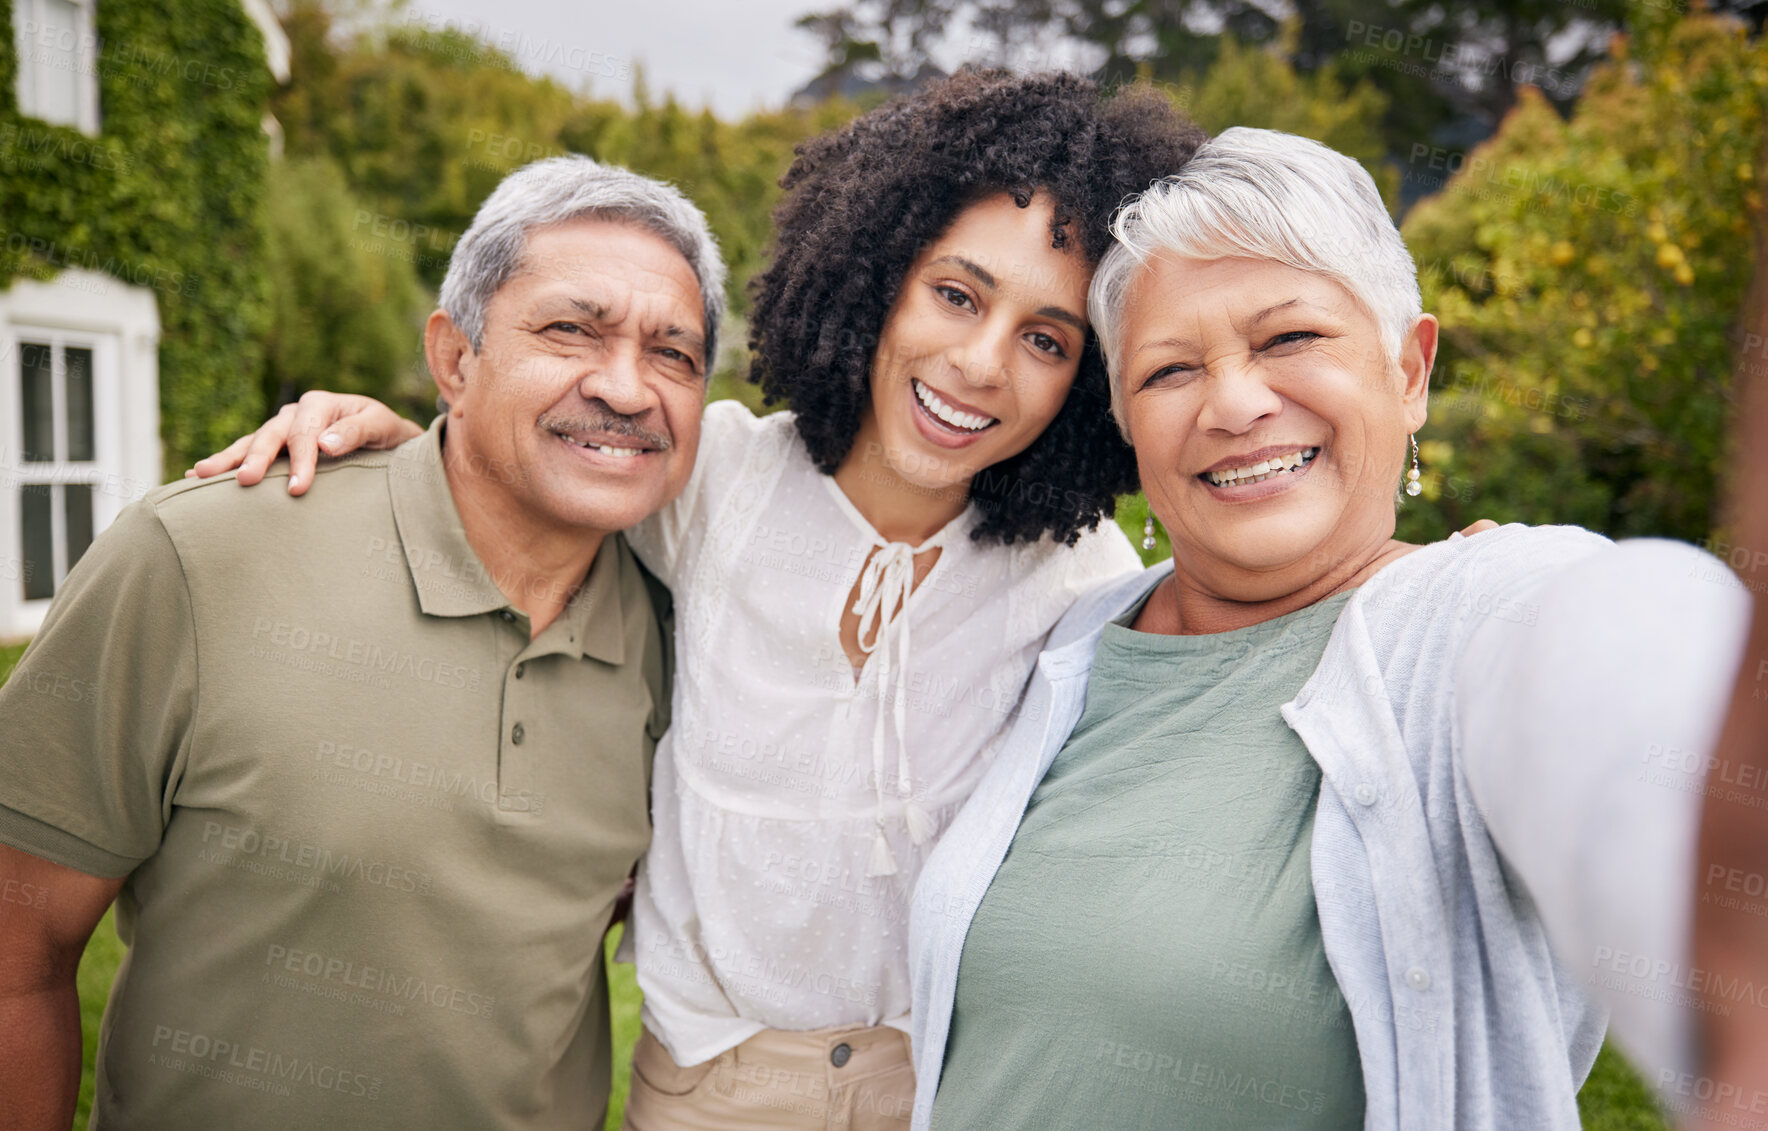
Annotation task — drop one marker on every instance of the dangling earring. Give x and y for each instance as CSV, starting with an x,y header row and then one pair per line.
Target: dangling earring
x,y
1148,532
1413,487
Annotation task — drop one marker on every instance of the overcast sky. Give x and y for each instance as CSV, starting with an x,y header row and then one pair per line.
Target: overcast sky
x,y
734,55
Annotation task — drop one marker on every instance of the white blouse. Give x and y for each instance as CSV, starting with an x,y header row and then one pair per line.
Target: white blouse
x,y
795,800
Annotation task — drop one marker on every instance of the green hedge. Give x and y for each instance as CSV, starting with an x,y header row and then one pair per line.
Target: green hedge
x,y
169,196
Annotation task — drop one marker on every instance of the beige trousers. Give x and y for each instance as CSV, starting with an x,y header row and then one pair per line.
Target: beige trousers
x,y
821,1080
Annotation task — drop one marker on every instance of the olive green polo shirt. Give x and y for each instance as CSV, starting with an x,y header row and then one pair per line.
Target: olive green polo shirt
x,y
372,833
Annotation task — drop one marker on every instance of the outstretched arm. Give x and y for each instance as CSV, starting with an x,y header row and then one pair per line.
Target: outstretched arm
x,y
332,423
1586,737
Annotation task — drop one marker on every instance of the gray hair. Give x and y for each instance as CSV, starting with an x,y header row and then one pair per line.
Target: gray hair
x,y
1261,194
559,189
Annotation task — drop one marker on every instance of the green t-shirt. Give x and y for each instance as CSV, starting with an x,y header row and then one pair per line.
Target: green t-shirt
x,y
1149,953
372,831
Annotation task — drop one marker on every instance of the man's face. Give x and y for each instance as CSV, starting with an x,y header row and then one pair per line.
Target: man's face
x,y
583,402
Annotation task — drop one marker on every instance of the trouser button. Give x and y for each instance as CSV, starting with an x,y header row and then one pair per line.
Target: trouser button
x,y
841,1054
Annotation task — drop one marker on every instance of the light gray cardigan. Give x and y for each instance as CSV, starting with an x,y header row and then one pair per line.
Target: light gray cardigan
x,y
1500,845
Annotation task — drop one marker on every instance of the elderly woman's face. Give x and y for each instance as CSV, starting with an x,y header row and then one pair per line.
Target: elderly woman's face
x,y
1269,429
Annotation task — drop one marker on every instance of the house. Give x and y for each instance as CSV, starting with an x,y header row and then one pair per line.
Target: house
x,y
133,152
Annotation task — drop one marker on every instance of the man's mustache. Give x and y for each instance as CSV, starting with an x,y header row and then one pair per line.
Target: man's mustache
x,y
607,423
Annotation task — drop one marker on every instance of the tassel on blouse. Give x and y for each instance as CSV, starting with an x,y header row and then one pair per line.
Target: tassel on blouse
x,y
883,860
882,608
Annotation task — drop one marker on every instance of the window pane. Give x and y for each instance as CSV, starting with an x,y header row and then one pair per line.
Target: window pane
x,y
38,542
54,47
79,405
37,388
78,502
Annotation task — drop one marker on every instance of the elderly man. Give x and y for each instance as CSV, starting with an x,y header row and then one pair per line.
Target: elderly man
x,y
365,773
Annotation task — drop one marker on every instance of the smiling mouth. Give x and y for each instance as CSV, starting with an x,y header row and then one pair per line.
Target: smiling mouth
x,y
947,416
601,446
1262,470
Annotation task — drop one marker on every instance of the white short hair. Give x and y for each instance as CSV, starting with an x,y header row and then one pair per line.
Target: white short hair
x,y
559,189
1261,194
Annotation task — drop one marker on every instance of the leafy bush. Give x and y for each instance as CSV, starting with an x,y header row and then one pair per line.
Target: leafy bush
x,y
1588,275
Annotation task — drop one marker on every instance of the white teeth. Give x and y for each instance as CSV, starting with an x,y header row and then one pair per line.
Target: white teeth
x,y
605,449
1263,469
968,421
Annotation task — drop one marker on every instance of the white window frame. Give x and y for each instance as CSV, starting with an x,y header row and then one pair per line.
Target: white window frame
x,y
120,323
29,14
59,473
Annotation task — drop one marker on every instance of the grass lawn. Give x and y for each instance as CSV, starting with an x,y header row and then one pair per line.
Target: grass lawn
x,y
1613,1099
9,654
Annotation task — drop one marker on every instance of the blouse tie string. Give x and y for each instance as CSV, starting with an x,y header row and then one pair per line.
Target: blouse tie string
x,y
884,588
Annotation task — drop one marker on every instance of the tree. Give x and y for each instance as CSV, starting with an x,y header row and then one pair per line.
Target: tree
x,y
423,124
346,306
1249,86
1588,275
1445,69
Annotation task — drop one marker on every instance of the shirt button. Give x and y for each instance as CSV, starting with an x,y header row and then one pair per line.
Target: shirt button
x,y
1418,979
841,1054
1366,794
509,617
517,734
520,668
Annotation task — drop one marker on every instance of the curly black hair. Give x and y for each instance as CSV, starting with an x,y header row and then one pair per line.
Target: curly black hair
x,y
862,202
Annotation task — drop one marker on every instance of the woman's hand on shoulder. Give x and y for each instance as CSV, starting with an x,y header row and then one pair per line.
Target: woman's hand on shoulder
x,y
333,423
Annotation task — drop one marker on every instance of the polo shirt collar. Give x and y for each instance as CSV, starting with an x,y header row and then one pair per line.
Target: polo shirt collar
x,y
451,581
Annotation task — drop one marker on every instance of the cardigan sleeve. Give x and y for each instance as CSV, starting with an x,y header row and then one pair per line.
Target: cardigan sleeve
x,y
1585,733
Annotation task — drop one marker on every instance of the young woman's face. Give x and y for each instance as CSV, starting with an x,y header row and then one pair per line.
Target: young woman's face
x,y
980,349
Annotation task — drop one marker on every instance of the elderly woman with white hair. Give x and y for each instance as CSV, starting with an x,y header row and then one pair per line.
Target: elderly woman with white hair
x,y
1310,827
